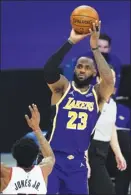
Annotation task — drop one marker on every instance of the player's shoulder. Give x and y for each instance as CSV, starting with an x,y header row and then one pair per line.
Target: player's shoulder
x,y
35,168
93,90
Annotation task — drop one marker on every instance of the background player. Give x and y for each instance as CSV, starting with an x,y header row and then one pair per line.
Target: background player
x,y
76,111
26,178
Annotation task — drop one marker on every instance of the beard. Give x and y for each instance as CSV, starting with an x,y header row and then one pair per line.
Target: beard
x,y
81,84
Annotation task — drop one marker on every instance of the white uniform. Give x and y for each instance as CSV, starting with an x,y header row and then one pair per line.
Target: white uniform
x,y
104,125
23,182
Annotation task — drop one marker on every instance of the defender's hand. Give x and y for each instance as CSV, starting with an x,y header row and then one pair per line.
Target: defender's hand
x,y
95,33
34,121
75,37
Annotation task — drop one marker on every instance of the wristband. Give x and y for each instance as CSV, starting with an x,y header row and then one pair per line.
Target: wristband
x,y
36,130
94,48
70,42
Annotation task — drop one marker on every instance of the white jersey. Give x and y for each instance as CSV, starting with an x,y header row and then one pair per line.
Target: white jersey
x,y
106,121
23,182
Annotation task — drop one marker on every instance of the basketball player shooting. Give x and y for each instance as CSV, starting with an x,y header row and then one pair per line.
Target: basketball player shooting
x,y
26,178
77,105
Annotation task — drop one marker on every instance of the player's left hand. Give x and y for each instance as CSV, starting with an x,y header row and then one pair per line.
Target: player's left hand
x,y
94,34
121,162
34,121
75,37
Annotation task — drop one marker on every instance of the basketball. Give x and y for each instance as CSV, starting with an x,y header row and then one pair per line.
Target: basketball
x,y
82,19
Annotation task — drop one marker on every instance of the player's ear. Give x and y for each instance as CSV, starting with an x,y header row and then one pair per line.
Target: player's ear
x,y
94,72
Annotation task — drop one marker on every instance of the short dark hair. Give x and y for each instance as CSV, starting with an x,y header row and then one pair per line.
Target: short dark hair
x,y
85,57
25,152
105,37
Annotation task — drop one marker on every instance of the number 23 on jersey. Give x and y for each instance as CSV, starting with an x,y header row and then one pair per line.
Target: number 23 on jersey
x,y
71,124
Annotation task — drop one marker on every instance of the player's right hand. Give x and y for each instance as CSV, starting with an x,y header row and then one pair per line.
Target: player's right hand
x,y
34,121
94,34
75,37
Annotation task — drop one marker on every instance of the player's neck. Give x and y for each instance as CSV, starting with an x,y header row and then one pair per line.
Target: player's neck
x,y
82,89
27,169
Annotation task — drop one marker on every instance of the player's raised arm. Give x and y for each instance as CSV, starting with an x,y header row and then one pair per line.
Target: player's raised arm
x,y
5,171
48,155
51,69
105,88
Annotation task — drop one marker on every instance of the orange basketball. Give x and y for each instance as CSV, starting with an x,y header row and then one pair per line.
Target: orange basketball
x,y
82,18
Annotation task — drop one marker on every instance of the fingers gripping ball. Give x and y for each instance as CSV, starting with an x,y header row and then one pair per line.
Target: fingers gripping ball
x,y
82,19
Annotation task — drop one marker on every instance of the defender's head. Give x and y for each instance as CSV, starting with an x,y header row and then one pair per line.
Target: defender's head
x,y
84,71
104,43
25,152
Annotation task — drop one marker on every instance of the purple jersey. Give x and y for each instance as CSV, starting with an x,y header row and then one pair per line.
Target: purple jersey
x,y
75,117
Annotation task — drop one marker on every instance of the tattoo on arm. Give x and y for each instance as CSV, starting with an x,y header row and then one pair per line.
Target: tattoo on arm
x,y
44,145
105,88
103,67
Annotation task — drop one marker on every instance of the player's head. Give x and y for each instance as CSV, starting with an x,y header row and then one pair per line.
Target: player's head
x,y
25,152
84,71
104,44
